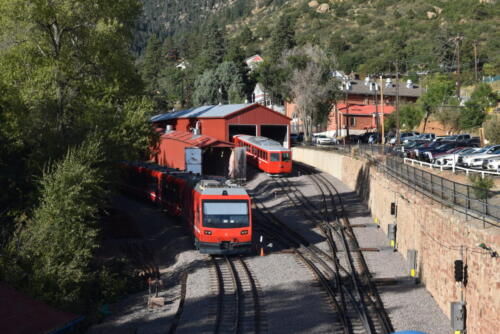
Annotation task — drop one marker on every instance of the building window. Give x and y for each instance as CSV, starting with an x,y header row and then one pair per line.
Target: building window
x,y
352,121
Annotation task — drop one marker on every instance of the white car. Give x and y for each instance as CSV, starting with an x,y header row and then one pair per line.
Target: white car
x,y
448,160
493,164
325,140
476,160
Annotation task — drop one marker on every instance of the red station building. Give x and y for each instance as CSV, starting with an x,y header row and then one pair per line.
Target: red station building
x,y
211,129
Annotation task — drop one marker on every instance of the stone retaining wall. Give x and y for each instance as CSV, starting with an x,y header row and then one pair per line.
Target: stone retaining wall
x,y
439,234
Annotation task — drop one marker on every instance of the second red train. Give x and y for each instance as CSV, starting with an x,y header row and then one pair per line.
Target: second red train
x,y
266,154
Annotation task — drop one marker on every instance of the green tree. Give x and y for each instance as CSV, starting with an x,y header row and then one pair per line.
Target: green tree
x,y
282,37
492,129
152,64
438,97
206,89
224,85
58,244
213,48
410,116
476,107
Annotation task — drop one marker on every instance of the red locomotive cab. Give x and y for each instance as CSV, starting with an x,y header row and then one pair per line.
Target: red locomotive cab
x,y
223,222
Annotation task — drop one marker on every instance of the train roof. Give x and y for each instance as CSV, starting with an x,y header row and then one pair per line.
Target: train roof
x,y
219,187
206,185
264,143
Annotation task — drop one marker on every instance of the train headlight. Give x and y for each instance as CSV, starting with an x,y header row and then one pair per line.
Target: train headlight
x,y
208,232
244,232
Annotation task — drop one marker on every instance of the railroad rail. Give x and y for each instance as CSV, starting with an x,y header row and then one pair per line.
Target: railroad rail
x,y
238,307
344,276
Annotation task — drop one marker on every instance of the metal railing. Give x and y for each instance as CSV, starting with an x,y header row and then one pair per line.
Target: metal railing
x,y
470,200
453,168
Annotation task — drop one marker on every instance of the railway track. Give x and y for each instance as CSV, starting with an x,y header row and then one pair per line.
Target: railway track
x,y
342,273
238,307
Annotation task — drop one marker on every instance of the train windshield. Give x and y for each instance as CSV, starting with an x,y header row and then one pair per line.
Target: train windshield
x,y
225,214
285,156
275,157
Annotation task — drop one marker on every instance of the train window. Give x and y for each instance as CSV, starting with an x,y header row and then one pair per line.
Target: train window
x,y
225,214
275,157
285,156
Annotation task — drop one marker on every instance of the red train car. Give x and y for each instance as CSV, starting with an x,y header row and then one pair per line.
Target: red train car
x,y
266,154
218,213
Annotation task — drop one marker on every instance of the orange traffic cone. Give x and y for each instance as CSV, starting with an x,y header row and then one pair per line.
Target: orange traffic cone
x,y
262,251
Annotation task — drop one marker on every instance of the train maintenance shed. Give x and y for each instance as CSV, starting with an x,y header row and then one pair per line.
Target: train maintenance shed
x,y
224,121
191,151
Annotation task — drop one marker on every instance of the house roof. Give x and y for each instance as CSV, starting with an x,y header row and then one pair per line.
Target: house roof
x,y
216,111
21,314
359,87
200,141
364,110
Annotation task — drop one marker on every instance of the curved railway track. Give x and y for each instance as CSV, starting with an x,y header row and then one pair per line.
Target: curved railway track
x,y
342,271
238,308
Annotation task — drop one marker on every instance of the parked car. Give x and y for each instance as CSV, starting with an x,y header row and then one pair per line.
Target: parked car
x,y
403,136
364,137
351,139
408,149
451,158
493,164
429,153
325,140
458,138
296,137
474,141
417,152
476,159
423,136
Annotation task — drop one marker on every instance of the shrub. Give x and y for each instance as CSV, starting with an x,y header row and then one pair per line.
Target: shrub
x,y
481,186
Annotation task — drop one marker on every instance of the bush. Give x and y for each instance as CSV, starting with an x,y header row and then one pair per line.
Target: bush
x,y
481,186
492,129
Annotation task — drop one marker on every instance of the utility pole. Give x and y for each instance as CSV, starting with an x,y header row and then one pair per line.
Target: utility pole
x,y
382,110
475,60
398,139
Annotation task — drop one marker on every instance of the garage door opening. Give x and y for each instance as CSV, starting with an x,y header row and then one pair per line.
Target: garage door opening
x,y
250,130
275,132
216,161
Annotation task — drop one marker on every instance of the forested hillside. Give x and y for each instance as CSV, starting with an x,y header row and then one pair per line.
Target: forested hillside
x,y
365,36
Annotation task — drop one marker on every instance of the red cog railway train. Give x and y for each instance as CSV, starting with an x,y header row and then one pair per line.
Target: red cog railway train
x,y
266,154
218,213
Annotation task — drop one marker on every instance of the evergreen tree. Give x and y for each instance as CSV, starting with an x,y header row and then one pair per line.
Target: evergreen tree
x,y
282,37
152,65
213,48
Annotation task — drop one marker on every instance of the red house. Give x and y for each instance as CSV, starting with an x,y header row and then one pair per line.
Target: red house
x,y
360,109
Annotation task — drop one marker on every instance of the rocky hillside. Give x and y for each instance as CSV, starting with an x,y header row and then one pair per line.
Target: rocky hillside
x,y
366,36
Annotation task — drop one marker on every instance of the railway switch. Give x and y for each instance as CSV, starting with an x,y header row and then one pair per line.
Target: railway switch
x,y
391,233
458,316
412,261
